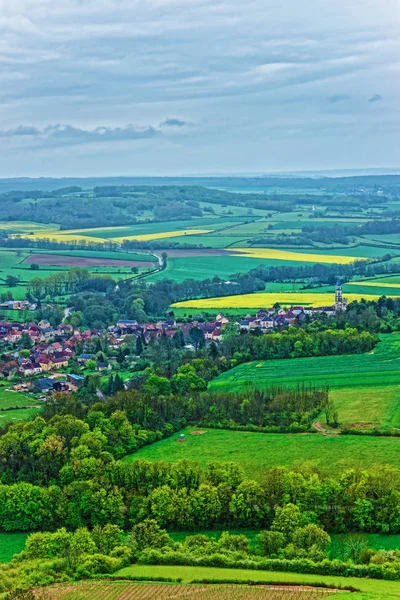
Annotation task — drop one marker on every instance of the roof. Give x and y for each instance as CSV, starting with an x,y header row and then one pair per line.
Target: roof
x,y
76,377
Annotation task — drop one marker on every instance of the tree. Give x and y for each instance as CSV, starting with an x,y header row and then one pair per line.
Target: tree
x,y
34,267
11,281
148,534
270,542
311,535
139,346
287,519
197,337
25,342
91,365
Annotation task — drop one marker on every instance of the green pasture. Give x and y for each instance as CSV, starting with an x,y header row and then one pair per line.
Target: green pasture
x,y
380,367
10,544
211,222
20,414
11,399
375,405
218,239
372,589
389,238
365,387
204,267
259,452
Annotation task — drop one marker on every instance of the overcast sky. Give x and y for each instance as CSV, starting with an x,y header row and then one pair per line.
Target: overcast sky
x,y
132,87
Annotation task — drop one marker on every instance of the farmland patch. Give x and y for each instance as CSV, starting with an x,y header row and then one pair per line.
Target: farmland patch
x,y
81,261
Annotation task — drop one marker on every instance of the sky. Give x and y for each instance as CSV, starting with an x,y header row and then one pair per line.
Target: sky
x,y
178,87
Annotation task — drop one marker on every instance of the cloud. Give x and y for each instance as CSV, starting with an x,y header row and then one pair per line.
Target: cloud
x,y
375,98
173,123
338,98
70,135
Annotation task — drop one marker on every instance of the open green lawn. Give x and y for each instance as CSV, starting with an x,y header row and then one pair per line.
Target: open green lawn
x,y
204,267
11,399
375,405
379,590
380,367
17,415
258,452
10,544
364,387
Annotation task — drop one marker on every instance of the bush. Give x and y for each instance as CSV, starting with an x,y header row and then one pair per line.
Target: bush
x,y
94,564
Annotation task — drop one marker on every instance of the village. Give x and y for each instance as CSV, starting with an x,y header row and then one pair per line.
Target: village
x,y
41,359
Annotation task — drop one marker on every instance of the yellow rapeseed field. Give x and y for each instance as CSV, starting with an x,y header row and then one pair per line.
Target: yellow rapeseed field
x,y
266,300
294,256
161,235
374,284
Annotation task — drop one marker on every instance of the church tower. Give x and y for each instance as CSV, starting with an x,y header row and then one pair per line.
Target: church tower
x,y
340,302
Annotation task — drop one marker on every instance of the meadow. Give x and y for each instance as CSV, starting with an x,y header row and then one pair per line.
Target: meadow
x,y
20,414
11,399
10,544
259,452
364,387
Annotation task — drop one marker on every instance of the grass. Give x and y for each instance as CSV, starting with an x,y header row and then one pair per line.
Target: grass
x,y
11,399
365,387
266,300
10,544
259,452
377,405
380,367
380,589
380,284
19,414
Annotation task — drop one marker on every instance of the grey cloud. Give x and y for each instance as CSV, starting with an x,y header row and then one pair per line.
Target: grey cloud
x,y
338,98
173,123
375,98
70,135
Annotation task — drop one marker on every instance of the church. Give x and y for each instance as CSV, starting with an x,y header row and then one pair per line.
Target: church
x,y
340,302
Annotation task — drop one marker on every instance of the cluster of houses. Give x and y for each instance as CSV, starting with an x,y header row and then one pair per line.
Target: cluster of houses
x,y
49,349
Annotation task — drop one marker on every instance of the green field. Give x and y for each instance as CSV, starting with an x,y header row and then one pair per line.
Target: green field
x,y
10,544
379,590
11,399
258,452
17,415
205,267
364,387
337,371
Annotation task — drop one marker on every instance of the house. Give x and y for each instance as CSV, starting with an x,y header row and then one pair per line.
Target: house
x,y
60,362
267,322
77,380
84,358
29,368
45,385
220,318
101,366
45,363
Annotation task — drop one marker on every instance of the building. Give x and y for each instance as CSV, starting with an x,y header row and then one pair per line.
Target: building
x,y
340,302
